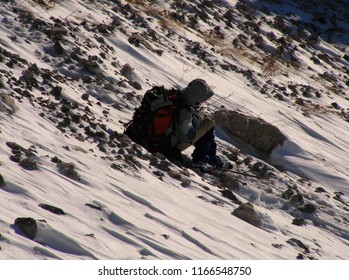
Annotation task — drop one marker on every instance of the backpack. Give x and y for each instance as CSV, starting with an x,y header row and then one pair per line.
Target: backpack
x,y
153,117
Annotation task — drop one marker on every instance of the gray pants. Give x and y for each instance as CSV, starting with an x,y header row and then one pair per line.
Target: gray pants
x,y
205,126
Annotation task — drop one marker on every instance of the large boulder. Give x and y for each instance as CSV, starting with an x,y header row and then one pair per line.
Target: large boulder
x,y
253,131
7,103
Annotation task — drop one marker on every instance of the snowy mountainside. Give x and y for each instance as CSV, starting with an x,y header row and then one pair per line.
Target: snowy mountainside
x,y
71,74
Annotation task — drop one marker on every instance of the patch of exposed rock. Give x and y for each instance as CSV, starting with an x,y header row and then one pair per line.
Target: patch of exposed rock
x,y
247,213
253,131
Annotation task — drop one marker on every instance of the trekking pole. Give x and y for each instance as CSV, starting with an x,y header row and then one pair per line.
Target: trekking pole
x,y
249,175
225,98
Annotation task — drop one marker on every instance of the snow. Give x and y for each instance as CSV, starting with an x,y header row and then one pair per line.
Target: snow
x,y
143,216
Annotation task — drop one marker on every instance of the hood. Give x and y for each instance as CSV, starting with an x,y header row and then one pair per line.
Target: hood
x,y
196,92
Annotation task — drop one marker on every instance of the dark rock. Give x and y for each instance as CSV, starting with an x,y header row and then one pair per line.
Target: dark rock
x,y
16,158
135,40
38,24
175,175
335,105
56,92
85,96
320,190
27,226
300,101
158,173
56,33
228,180
297,199
298,222
29,164
346,57
53,209
2,181
57,48
288,194
135,85
230,195
55,159
68,170
300,256
91,66
186,183
307,208
127,71
133,162
94,206
296,242
15,146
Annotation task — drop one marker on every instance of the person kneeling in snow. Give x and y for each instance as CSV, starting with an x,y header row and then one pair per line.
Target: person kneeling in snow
x,y
187,125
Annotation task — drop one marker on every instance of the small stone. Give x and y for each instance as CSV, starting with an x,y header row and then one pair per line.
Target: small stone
x,y
2,181
68,170
53,209
298,222
308,208
175,175
229,194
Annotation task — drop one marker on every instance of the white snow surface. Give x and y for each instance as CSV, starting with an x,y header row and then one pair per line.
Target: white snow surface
x,y
143,216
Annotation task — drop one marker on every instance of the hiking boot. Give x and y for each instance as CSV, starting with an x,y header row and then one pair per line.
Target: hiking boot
x,y
224,165
203,167
217,163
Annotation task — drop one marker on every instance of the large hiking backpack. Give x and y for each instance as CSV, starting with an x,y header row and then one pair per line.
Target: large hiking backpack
x,y
153,117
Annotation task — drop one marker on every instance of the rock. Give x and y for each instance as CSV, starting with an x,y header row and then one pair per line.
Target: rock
x,y
307,208
175,175
27,226
94,206
7,103
29,164
53,209
56,92
346,57
228,180
297,199
127,71
255,132
68,170
2,181
185,183
247,213
15,146
85,96
58,48
16,158
230,195
135,85
320,190
299,222
297,242
288,194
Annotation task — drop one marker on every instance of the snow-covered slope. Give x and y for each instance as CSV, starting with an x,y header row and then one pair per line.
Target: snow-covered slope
x,y
72,73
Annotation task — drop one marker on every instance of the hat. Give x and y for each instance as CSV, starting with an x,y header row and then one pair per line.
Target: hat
x,y
196,92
